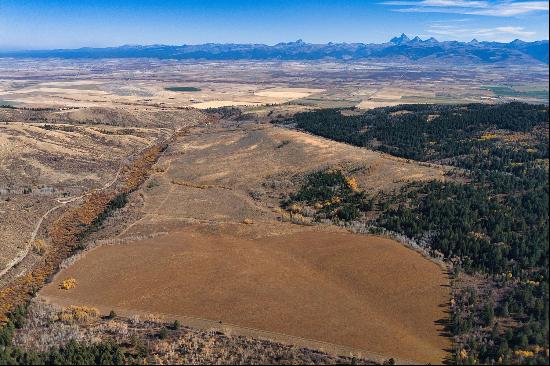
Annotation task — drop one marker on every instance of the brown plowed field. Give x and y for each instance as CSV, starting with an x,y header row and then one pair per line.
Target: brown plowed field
x,y
333,287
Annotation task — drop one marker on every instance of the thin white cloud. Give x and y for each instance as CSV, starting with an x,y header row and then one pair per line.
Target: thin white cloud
x,y
446,21
438,3
500,34
503,8
515,8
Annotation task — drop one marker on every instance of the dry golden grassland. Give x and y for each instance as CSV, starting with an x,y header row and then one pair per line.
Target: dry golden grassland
x,y
227,179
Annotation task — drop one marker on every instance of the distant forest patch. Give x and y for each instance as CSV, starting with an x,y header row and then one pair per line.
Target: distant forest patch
x,y
182,89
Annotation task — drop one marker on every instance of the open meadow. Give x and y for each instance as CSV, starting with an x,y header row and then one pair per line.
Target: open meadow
x,y
326,286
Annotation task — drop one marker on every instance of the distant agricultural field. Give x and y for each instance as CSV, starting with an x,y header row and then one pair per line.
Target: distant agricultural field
x,y
6,103
182,89
508,91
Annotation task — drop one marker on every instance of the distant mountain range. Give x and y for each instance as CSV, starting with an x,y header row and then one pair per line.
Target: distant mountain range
x,y
402,47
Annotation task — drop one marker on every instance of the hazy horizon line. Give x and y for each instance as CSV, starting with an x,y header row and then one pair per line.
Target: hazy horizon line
x,y
17,49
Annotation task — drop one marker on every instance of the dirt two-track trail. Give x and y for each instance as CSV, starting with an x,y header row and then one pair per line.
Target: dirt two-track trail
x,y
232,260
62,202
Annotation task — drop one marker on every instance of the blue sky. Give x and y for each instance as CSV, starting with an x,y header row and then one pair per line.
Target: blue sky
x,y
40,24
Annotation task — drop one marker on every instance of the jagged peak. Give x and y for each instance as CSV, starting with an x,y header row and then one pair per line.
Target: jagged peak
x,y
401,39
298,42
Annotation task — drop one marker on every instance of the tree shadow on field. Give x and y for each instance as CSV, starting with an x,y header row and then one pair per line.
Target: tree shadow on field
x,y
444,328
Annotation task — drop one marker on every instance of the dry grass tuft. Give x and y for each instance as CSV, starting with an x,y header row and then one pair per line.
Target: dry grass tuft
x,y
295,218
39,246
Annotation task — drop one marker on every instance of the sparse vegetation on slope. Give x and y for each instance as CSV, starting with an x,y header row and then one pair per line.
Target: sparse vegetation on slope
x,y
137,341
329,194
68,231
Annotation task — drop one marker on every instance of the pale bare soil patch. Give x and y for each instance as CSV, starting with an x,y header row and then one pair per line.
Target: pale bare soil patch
x,y
222,103
287,93
371,104
334,287
258,98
